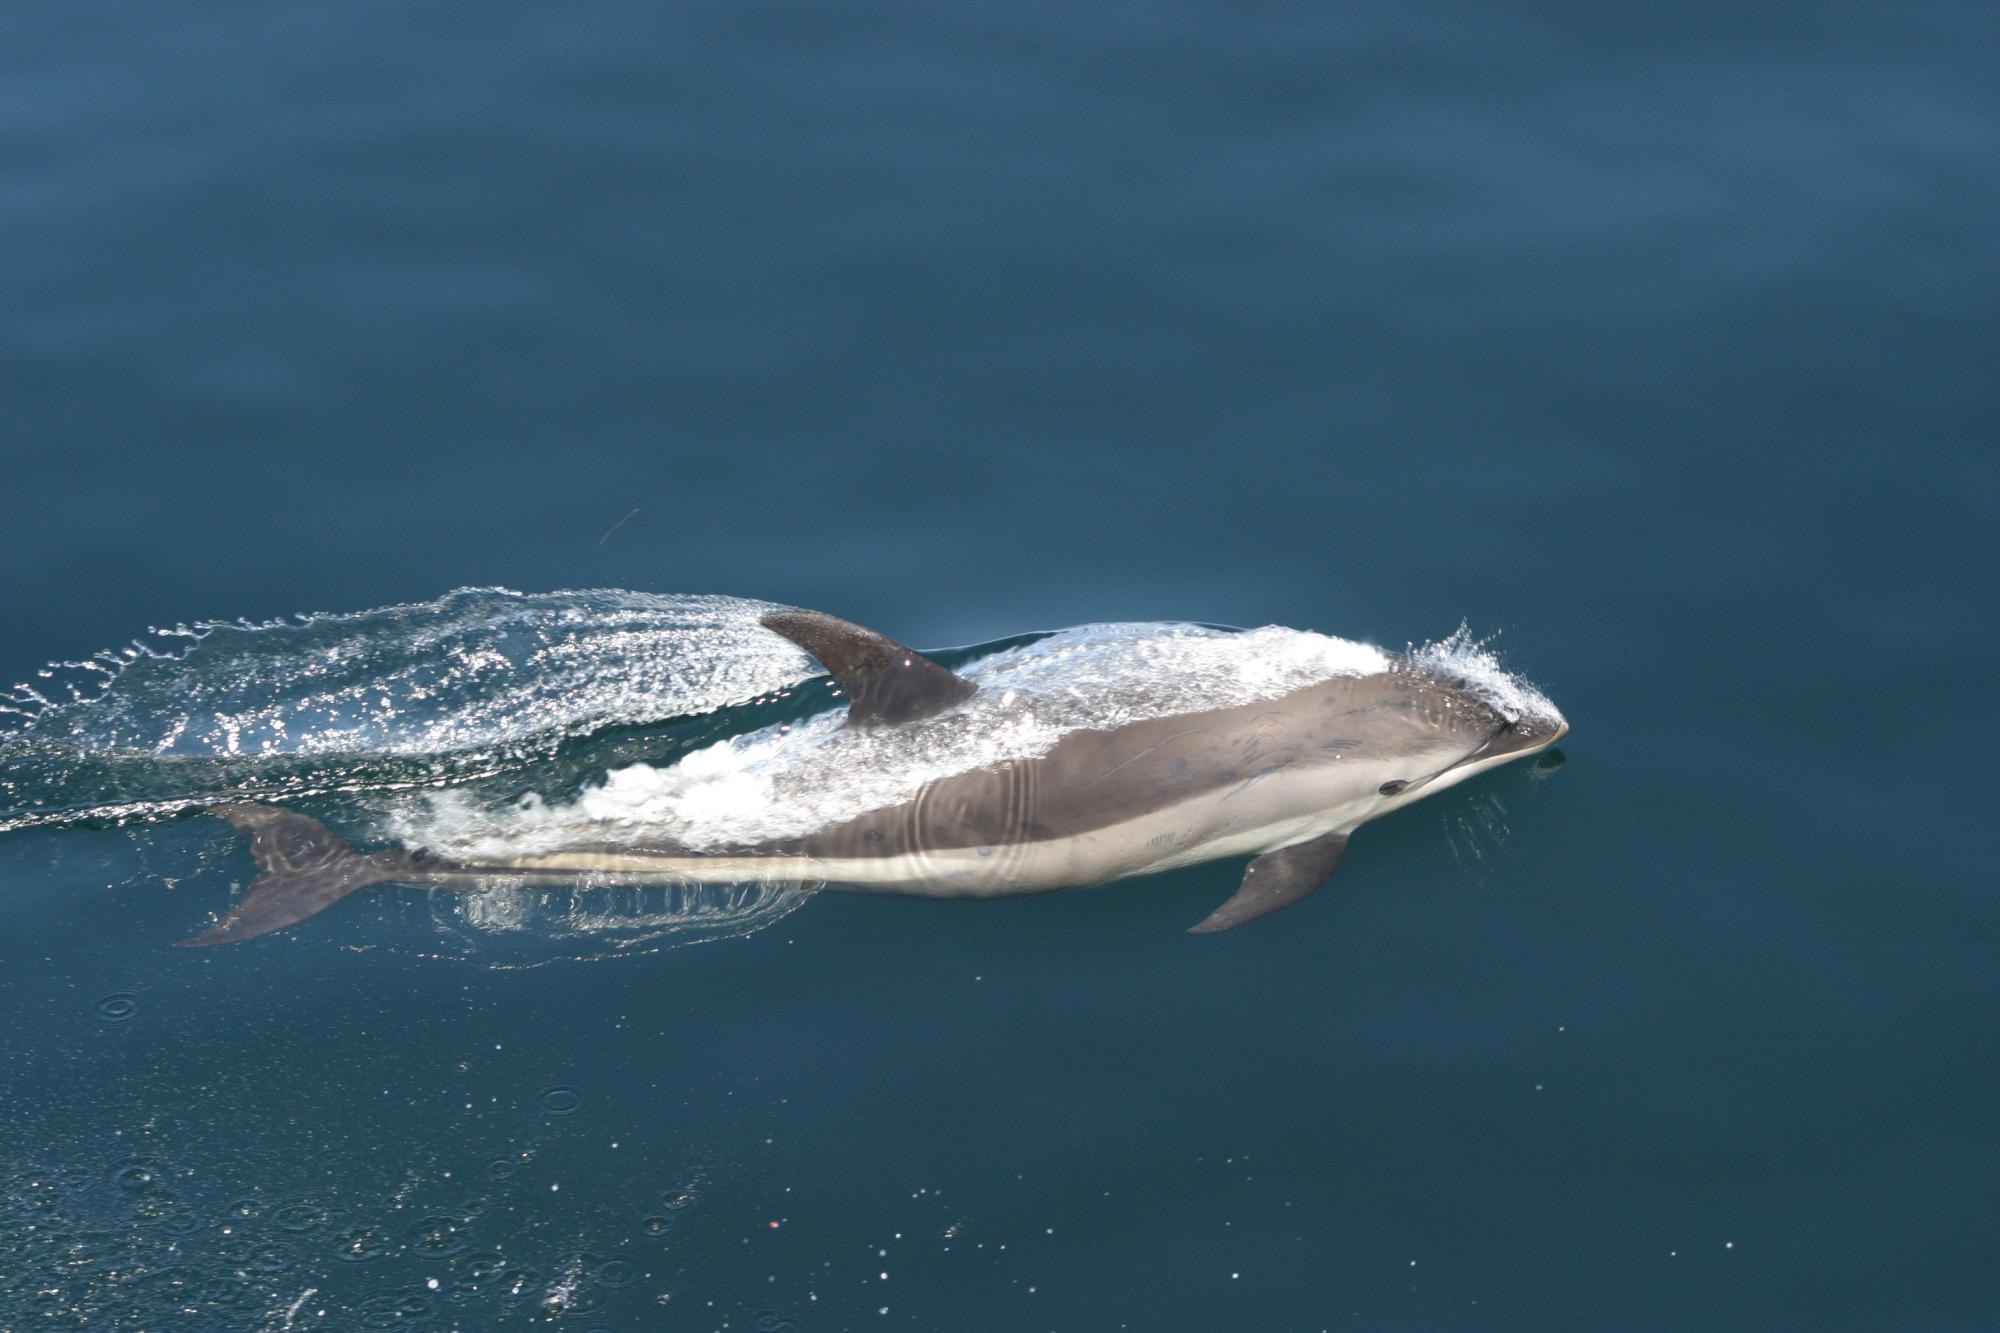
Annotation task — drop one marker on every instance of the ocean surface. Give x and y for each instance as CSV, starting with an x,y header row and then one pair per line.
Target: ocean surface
x,y
1655,345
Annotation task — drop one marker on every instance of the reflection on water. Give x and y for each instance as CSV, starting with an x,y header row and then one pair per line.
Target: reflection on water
x,y
507,925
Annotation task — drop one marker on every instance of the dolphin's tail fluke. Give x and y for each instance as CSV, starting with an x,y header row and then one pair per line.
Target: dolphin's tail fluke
x,y
303,867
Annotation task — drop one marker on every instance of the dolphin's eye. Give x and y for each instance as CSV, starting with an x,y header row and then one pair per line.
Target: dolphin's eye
x,y
1391,788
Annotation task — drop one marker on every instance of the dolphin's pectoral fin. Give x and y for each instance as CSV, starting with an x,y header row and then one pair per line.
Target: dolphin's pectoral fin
x,y
304,867
885,682
1277,879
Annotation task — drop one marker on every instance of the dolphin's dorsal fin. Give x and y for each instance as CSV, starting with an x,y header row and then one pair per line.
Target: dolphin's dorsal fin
x,y
885,682
1278,879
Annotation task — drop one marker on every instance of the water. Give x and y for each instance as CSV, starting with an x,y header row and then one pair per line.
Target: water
x,y
1658,344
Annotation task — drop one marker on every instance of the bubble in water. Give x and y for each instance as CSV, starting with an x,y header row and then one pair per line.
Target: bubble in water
x,y
561,1101
118,1007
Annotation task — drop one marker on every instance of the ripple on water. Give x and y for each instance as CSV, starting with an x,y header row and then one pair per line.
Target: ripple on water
x,y
138,1173
438,1237
485,1266
118,1007
561,1101
360,1245
298,1216
404,1308
154,1206
459,1293
270,1258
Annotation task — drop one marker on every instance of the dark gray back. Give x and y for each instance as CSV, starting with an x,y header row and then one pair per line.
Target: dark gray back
x,y
1095,779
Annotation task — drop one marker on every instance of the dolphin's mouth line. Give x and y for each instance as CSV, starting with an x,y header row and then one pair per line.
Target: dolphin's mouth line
x,y
1505,728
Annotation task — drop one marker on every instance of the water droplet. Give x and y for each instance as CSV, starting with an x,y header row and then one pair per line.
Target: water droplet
x,y
561,1101
655,1225
118,1007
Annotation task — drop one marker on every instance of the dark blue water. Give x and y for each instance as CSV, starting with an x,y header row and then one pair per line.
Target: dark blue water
x,y
1660,341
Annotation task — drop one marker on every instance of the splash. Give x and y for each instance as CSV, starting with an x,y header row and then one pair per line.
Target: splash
x,y
790,779
1471,662
491,723
477,683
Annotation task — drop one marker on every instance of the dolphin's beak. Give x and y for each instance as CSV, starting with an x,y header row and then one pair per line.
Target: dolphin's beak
x,y
1517,738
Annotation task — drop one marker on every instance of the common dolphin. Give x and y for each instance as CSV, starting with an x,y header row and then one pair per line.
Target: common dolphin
x,y
1284,780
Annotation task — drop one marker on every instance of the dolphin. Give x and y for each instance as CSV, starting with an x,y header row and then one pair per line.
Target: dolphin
x,y
1284,781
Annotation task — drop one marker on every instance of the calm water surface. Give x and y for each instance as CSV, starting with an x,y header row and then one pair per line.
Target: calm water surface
x,y
1660,342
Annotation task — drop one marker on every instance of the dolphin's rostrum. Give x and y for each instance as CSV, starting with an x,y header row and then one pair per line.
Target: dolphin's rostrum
x,y
1284,780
